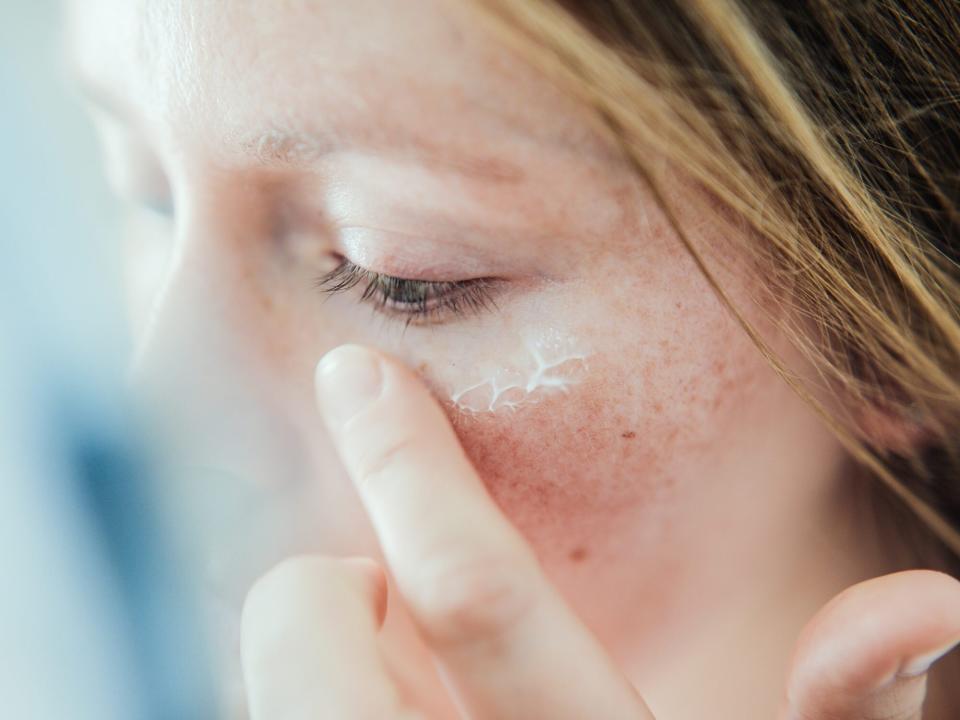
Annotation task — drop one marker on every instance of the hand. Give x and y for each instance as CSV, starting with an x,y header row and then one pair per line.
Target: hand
x,y
505,638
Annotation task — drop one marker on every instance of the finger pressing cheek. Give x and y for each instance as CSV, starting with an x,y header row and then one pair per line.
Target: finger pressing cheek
x,y
509,642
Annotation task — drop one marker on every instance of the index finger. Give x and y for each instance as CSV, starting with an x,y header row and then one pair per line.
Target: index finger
x,y
510,644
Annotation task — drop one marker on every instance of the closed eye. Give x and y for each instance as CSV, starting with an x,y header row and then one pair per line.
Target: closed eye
x,y
414,301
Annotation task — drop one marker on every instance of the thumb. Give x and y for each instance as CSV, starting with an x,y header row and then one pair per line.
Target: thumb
x,y
866,654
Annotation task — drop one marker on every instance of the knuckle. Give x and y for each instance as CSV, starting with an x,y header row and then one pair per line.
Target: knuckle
x,y
479,599
372,468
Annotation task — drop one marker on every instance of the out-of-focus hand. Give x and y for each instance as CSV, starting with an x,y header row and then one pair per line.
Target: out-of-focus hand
x,y
507,641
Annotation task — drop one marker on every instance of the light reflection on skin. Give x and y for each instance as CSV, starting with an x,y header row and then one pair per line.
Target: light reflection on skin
x,y
674,493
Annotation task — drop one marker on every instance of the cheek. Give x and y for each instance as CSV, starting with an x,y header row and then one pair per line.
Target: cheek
x,y
619,444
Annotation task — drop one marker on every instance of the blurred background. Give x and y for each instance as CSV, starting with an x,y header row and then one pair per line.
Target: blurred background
x,y
95,612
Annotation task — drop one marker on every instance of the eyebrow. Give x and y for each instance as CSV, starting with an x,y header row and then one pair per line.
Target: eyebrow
x,y
297,149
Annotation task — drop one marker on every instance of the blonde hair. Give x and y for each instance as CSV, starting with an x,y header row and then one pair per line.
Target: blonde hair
x,y
832,130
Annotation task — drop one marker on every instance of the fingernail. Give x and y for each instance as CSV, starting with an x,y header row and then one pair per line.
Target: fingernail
x,y
922,663
348,380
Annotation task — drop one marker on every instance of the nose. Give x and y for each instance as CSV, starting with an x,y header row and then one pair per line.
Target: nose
x,y
246,437
199,357
202,364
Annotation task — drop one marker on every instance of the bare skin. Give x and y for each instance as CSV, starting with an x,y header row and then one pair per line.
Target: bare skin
x,y
674,515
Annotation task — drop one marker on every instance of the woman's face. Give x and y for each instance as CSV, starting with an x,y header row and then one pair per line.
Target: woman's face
x,y
614,408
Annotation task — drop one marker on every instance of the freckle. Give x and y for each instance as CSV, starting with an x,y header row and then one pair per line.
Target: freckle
x,y
422,368
628,435
718,401
578,554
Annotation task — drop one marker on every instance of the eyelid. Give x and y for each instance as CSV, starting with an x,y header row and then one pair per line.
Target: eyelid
x,y
416,301
413,257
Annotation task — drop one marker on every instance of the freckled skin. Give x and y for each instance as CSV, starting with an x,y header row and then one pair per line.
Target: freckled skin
x,y
679,453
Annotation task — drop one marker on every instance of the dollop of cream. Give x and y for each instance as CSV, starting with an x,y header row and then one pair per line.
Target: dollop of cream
x,y
548,364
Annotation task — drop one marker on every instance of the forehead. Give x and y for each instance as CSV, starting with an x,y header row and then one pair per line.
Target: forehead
x,y
229,70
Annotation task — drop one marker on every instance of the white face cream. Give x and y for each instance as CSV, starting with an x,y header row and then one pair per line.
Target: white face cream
x,y
544,365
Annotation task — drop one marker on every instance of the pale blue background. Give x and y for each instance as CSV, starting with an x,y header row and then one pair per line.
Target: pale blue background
x,y
84,633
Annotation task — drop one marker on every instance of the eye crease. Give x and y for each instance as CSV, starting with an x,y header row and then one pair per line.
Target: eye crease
x,y
414,301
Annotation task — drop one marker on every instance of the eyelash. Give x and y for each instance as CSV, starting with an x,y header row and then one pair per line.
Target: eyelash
x,y
415,301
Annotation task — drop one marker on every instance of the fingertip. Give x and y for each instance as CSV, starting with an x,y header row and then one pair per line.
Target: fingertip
x,y
287,597
919,665
309,640
873,644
